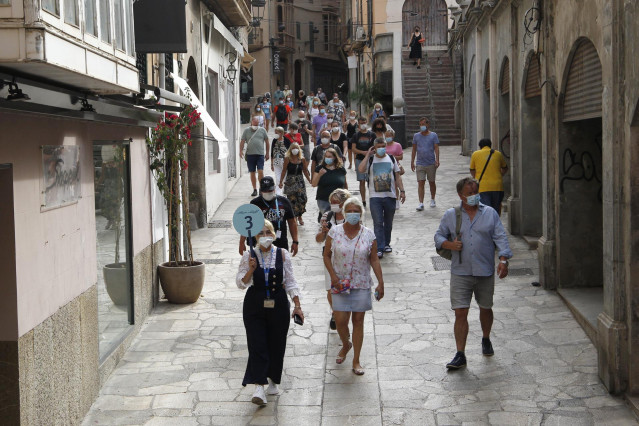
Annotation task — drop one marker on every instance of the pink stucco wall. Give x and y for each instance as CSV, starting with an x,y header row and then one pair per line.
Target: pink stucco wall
x,y
56,249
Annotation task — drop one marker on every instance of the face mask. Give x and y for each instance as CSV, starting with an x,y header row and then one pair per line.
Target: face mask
x,y
281,102
315,103
268,196
295,151
423,128
328,161
363,127
352,117
335,208
258,109
378,109
329,120
335,129
254,127
352,218
321,111
381,151
266,241
325,141
472,200
389,140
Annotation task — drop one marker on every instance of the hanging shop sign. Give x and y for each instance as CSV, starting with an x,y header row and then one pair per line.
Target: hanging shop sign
x,y
276,61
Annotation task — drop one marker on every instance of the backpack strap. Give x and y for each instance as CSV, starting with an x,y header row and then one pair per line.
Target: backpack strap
x,y
458,223
486,165
329,216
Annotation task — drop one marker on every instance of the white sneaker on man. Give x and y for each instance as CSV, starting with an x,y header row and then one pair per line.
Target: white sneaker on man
x,y
259,398
432,203
420,207
272,388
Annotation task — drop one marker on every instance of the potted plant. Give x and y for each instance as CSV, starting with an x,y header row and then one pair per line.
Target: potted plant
x,y
111,180
182,279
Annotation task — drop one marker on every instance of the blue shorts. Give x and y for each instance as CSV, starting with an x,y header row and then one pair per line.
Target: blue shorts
x,y
492,199
255,161
360,176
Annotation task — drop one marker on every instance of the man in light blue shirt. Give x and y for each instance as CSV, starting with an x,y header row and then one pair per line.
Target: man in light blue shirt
x,y
473,263
425,161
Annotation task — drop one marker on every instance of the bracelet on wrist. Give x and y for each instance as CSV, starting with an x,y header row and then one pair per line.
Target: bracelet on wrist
x,y
296,242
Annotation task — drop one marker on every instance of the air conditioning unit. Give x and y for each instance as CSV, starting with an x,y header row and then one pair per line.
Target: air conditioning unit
x,y
360,34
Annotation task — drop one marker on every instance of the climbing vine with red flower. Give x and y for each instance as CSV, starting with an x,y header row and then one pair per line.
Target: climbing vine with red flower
x,y
168,145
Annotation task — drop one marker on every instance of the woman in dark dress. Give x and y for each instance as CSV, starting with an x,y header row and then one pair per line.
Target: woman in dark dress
x,y
329,176
416,47
295,169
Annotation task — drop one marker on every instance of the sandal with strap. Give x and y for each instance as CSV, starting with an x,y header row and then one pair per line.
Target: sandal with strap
x,y
358,371
340,359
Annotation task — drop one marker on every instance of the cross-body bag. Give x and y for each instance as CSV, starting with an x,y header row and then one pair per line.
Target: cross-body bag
x,y
448,253
345,283
486,165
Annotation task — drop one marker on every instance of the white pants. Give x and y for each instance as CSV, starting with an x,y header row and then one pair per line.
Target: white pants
x,y
278,173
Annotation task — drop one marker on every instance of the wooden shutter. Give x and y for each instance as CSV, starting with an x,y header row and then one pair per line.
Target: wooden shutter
x,y
583,85
487,77
532,77
504,84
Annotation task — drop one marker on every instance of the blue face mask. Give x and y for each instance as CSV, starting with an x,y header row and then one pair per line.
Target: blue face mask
x,y
352,218
381,151
328,161
322,111
423,128
389,140
473,200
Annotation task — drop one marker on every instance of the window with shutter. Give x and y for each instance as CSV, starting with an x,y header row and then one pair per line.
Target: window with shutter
x,y
584,85
504,81
487,76
533,74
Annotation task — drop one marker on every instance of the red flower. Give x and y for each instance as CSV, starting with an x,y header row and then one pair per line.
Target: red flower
x,y
185,164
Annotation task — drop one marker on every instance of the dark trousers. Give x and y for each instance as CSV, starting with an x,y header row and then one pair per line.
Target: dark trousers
x,y
383,212
266,330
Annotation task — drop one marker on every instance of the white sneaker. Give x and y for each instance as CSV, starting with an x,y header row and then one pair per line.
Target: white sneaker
x,y
272,388
259,398
420,207
432,203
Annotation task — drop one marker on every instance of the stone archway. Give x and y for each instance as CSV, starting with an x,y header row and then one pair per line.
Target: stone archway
x,y
580,207
192,77
471,110
503,104
431,16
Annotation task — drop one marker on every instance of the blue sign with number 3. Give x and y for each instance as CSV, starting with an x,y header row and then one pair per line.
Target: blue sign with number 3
x,y
248,219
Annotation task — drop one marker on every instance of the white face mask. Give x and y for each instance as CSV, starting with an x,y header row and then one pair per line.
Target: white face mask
x,y
254,127
335,208
353,117
335,129
266,241
295,151
330,120
325,141
268,196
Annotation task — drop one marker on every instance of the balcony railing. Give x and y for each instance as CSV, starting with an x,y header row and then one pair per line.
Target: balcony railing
x,y
285,41
256,39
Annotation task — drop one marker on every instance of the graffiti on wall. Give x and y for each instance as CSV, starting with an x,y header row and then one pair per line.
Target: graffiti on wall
x,y
582,166
60,175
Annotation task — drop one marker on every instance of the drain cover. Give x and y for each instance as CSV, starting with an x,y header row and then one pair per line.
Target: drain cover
x,y
220,224
440,264
520,272
212,261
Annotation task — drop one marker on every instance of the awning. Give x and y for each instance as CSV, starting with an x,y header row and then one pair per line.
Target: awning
x,y
209,123
247,61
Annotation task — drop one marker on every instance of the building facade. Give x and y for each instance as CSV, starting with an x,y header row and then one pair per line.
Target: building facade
x,y
554,85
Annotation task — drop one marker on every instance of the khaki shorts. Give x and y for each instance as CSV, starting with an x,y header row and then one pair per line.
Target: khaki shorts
x,y
426,172
462,288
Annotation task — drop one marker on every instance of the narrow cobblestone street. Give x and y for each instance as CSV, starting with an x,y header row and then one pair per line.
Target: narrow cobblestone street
x,y
187,364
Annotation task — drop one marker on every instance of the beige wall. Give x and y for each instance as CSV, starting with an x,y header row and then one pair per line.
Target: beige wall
x,y
56,249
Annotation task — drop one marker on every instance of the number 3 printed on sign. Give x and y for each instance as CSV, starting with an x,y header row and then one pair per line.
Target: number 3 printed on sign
x,y
249,222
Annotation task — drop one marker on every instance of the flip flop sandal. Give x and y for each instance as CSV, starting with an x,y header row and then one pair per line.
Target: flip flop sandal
x,y
358,371
340,359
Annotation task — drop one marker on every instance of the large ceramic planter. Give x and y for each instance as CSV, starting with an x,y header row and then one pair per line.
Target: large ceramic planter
x,y
117,283
183,283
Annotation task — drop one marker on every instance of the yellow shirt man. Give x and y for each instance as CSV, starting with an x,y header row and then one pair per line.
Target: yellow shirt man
x,y
497,167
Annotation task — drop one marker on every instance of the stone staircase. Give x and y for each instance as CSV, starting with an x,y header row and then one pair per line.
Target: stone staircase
x,y
430,92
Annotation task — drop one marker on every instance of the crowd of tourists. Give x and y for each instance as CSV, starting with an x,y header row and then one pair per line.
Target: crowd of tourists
x,y
318,149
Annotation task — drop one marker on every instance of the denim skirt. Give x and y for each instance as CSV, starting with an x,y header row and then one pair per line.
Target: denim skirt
x,y
359,300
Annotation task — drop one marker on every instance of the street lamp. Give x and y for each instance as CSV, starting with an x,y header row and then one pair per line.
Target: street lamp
x,y
231,70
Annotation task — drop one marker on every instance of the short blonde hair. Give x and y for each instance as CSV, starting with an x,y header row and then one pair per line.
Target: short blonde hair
x,y
378,105
356,201
338,159
279,129
268,225
289,154
340,194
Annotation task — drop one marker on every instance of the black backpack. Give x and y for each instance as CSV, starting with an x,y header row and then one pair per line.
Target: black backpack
x,y
281,113
370,164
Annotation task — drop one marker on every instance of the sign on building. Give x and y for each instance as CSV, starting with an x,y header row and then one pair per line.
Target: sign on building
x,y
276,61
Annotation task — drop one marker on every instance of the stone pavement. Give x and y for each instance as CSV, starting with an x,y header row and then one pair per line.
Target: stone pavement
x,y
187,364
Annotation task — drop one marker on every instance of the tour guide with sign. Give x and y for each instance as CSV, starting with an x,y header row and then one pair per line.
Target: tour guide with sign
x,y
267,274
279,212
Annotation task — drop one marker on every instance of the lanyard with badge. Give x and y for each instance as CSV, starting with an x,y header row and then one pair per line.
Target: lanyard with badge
x,y
268,302
278,233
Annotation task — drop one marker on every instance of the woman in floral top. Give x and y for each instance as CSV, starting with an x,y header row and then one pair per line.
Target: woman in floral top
x,y
349,254
278,152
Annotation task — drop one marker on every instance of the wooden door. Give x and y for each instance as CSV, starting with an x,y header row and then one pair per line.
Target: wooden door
x,y
432,18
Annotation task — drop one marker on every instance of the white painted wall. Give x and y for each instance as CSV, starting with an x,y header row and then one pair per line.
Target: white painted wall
x,y
56,249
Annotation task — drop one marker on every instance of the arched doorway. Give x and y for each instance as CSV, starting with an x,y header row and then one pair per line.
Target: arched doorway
x,y
486,99
580,224
431,16
192,79
471,110
531,155
503,144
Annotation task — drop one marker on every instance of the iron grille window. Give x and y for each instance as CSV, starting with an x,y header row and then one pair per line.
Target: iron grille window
x,y
141,64
168,66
